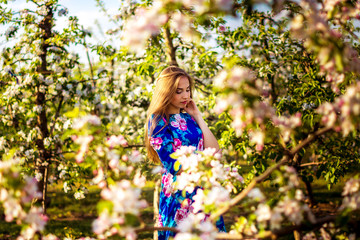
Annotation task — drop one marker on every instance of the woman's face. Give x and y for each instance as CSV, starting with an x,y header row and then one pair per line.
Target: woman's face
x,y
181,96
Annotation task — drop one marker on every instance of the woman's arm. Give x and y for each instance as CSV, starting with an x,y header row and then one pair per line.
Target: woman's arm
x,y
209,138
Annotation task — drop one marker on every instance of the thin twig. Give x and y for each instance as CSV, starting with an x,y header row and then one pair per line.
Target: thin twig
x,y
135,146
57,114
311,164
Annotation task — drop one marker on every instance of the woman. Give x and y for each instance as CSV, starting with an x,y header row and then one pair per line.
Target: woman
x,y
174,121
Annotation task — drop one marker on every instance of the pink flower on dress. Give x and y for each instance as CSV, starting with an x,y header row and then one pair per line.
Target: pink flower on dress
x,y
201,145
179,123
160,223
177,144
183,125
167,181
156,142
175,124
181,214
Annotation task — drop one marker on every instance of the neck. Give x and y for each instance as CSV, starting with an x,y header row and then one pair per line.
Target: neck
x,y
173,110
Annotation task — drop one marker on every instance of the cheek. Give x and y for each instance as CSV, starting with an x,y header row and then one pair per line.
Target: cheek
x,y
175,98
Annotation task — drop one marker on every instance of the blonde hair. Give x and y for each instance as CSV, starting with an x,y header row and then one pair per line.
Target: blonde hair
x,y
165,88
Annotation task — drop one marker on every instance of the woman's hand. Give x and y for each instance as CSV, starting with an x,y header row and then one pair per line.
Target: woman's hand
x,y
208,136
192,109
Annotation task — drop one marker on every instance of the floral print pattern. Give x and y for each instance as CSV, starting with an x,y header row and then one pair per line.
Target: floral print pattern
x,y
177,144
167,181
182,130
179,122
201,145
156,142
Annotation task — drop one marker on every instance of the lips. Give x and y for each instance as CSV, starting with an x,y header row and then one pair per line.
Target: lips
x,y
183,102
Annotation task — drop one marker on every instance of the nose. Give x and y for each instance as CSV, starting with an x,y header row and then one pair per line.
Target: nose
x,y
186,95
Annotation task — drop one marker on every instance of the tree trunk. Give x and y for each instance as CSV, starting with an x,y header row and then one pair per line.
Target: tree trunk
x,y
43,162
170,49
156,207
309,192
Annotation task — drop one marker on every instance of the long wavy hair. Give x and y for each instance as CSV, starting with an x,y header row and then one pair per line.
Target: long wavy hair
x,y
165,88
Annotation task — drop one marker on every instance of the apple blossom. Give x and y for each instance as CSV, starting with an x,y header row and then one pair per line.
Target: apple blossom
x,y
91,119
256,194
263,213
145,23
183,24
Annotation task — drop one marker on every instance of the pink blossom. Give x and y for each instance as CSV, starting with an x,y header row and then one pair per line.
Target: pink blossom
x,y
209,152
101,223
12,209
352,186
256,194
135,156
114,163
185,150
181,214
31,190
183,24
222,28
99,176
124,197
276,219
235,174
190,162
221,105
36,219
139,180
125,158
84,142
218,196
131,235
185,236
291,210
257,137
263,213
113,141
145,23
91,119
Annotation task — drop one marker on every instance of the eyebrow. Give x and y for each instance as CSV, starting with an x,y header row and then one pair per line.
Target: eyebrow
x,y
182,88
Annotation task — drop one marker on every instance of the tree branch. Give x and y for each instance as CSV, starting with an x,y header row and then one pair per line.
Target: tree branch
x,y
57,114
135,146
262,177
152,228
311,164
170,49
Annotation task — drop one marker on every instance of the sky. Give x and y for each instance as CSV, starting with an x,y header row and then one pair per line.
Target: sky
x,y
86,11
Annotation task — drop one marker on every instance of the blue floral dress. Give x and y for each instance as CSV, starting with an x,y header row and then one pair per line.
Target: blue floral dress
x,y
165,139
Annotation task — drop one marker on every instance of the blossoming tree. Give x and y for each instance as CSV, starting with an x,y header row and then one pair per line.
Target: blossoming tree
x,y
279,89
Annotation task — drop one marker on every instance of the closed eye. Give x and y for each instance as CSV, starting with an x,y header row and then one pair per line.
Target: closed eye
x,y
180,90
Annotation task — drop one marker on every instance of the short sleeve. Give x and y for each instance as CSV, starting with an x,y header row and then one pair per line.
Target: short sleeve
x,y
163,143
